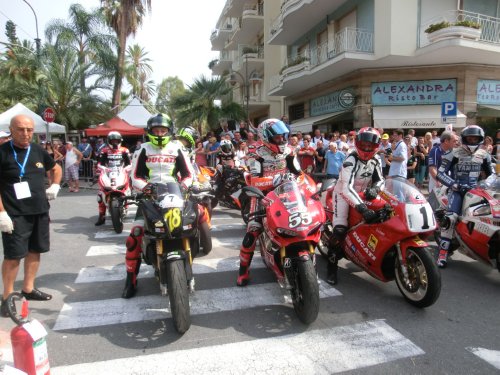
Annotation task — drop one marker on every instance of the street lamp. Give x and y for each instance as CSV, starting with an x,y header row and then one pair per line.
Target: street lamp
x,y
37,39
246,80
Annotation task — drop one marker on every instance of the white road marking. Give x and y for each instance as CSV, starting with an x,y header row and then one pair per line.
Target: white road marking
x,y
490,356
200,266
116,311
325,351
100,250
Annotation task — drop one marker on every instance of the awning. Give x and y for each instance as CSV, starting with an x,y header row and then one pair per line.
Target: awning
x,y
305,125
487,110
412,116
115,124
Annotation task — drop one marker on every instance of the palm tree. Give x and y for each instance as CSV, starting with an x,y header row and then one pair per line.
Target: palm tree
x,y
138,72
124,17
84,33
74,107
197,105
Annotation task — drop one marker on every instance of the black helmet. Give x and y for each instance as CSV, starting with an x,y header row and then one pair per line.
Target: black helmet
x,y
114,135
472,131
160,120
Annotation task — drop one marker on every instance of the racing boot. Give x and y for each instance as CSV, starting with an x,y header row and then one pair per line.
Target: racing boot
x,y
442,259
100,220
102,210
246,255
332,267
133,260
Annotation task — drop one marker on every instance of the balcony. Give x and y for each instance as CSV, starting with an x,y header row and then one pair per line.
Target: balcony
x,y
249,25
219,36
350,49
249,58
297,17
223,64
458,48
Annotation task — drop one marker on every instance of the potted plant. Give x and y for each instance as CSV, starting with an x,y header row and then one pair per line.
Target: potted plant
x,y
461,29
298,62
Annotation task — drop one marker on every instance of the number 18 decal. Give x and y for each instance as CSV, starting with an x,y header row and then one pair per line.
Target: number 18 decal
x,y
299,218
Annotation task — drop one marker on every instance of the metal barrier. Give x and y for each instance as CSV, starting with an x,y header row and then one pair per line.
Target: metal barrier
x,y
87,173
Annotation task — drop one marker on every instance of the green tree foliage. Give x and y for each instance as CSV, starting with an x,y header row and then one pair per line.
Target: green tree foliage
x,y
168,89
138,72
197,105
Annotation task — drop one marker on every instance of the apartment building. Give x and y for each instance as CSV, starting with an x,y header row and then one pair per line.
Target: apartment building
x,y
342,64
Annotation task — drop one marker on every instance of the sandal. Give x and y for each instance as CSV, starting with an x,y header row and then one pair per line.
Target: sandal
x,y
36,295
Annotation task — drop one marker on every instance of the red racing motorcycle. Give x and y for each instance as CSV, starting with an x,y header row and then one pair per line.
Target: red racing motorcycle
x,y
477,231
114,184
292,217
390,247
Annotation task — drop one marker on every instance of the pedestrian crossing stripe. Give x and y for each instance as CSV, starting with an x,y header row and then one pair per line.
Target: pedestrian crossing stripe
x,y
490,356
100,250
77,315
200,266
323,351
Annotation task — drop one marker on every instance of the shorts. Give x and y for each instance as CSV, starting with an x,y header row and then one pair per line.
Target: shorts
x,y
31,233
72,172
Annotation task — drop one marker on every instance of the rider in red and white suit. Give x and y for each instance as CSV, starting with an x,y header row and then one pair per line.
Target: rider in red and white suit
x,y
271,159
112,155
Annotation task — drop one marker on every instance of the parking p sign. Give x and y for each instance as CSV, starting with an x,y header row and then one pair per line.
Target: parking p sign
x,y
448,112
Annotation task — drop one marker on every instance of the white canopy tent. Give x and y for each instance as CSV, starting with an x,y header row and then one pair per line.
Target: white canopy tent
x,y
135,113
40,124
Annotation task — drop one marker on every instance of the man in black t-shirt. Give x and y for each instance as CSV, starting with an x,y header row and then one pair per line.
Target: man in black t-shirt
x,y
24,208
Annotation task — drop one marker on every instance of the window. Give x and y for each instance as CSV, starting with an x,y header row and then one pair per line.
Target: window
x,y
296,111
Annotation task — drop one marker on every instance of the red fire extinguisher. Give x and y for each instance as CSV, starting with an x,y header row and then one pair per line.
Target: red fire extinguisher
x,y
29,346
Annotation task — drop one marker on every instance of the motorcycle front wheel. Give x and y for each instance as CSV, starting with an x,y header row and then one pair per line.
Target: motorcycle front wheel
x,y
305,295
178,295
423,285
115,210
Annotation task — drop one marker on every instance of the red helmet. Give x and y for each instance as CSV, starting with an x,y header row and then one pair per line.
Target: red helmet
x,y
367,143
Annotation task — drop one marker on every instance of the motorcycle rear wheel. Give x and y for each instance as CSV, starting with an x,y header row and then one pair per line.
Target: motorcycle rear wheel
x,y
115,210
305,296
178,295
205,238
423,286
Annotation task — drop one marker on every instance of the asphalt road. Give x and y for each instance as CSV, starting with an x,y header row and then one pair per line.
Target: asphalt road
x,y
364,326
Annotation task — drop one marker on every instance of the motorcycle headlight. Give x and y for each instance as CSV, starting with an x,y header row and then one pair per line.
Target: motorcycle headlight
x,y
286,232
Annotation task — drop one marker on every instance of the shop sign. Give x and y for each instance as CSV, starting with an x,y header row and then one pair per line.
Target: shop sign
x,y
488,92
336,101
433,91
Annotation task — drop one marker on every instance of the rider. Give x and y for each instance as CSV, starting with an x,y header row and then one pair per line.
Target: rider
x,y
159,160
112,155
272,158
466,164
361,171
188,136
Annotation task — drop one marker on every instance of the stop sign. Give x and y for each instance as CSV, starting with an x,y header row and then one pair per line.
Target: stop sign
x,y
49,114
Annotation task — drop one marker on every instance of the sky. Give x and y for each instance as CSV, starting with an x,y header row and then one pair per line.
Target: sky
x,y
176,34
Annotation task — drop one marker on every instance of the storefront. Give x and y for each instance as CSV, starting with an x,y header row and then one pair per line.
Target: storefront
x,y
488,98
328,111
413,104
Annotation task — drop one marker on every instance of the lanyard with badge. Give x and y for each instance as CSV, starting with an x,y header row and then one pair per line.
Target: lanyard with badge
x,y
21,188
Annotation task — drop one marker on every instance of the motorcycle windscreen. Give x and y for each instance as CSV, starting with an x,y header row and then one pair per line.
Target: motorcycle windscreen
x,y
291,197
419,214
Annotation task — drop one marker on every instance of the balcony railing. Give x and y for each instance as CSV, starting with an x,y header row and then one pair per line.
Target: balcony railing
x,y
346,40
490,26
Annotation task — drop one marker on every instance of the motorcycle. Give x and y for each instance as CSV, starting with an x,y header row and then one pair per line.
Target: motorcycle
x,y
114,183
390,247
171,226
292,217
477,231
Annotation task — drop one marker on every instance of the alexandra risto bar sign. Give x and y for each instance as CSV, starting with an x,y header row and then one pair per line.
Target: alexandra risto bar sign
x,y
488,91
433,91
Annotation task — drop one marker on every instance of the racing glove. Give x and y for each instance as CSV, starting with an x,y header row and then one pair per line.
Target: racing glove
x,y
371,193
6,222
368,215
52,191
149,188
463,188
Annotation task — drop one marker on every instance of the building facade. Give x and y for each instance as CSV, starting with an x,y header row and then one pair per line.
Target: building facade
x,y
343,64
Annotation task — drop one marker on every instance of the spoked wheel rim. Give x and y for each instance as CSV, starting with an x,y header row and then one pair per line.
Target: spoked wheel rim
x,y
417,283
